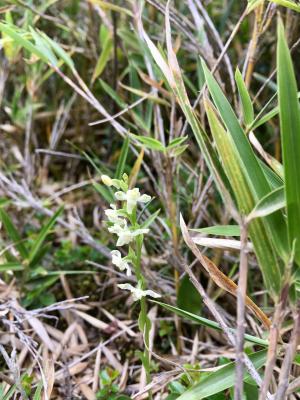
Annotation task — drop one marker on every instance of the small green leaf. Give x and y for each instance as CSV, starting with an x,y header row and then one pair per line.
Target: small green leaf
x,y
13,233
272,202
105,55
220,230
43,234
245,98
122,159
149,142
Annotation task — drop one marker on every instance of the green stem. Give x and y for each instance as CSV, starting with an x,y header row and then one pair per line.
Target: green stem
x,y
145,326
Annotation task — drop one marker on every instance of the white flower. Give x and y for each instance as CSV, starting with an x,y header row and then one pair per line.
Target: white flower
x,y
137,292
132,197
122,264
113,215
125,235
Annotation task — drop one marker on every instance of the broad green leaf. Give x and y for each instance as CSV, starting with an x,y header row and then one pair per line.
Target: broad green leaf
x,y
254,174
246,202
222,379
220,230
149,142
245,98
122,159
188,297
43,234
289,113
272,202
207,322
13,233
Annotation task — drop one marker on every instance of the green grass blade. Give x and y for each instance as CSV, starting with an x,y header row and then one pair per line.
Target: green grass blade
x,y
272,202
43,234
289,113
245,99
13,233
122,159
12,32
220,230
207,322
221,380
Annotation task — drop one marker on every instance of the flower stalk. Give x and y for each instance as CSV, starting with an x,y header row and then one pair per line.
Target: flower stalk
x,y
124,223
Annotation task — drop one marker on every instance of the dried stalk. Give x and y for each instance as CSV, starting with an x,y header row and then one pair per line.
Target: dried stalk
x,y
241,296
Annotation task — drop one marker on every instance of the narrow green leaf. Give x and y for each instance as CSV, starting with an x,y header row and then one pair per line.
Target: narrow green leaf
x,y
105,55
289,113
149,142
122,159
11,266
207,322
43,46
245,98
13,233
176,142
220,230
43,234
272,202
12,32
60,52
104,192
38,392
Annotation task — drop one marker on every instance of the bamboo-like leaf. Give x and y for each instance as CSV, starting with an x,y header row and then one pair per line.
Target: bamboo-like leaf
x,y
246,201
245,98
207,322
289,113
220,230
221,380
43,234
256,179
272,202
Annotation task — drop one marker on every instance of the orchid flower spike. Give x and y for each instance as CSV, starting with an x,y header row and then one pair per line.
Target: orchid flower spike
x,y
137,292
120,262
125,235
132,197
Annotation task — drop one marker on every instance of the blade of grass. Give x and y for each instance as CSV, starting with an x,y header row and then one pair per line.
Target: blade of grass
x,y
207,322
289,113
43,234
